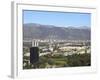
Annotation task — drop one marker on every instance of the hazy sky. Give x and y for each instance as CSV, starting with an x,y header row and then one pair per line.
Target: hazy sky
x,y
57,18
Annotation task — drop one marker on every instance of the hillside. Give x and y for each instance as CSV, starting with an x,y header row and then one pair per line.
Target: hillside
x,y
38,31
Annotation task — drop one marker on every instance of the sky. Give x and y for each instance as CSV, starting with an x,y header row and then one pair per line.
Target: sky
x,y
60,19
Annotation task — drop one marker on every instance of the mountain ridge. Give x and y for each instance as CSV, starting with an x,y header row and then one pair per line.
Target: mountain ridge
x,y
40,31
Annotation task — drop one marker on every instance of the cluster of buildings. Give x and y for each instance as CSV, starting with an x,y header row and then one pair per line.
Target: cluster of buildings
x,y
62,46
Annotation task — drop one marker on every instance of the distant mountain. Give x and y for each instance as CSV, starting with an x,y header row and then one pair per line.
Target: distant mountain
x,y
38,31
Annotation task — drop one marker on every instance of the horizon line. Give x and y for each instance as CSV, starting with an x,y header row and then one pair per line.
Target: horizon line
x,y
84,26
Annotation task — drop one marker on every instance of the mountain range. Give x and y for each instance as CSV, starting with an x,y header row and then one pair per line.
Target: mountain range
x,y
40,31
